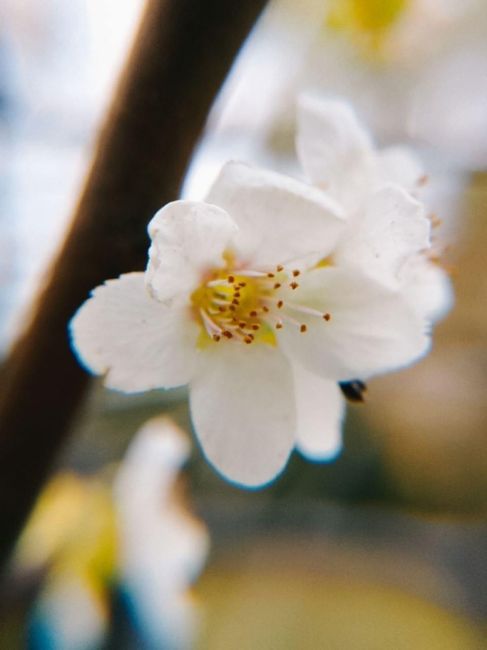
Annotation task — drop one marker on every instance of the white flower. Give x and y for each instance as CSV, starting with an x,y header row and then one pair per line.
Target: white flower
x,y
416,69
161,547
241,302
338,155
137,536
380,241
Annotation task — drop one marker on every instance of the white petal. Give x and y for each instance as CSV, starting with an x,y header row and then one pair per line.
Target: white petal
x,y
280,219
335,152
428,288
391,229
139,342
372,329
188,239
69,615
320,411
399,165
243,411
161,547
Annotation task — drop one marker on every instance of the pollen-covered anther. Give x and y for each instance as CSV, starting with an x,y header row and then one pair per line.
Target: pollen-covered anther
x,y
277,285
296,272
248,340
242,284
303,328
265,308
271,275
235,301
216,337
255,326
227,334
327,316
279,268
253,314
231,279
280,304
294,285
279,325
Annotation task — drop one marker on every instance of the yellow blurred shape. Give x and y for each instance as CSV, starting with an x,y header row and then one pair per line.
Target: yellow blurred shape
x,y
365,21
271,611
72,528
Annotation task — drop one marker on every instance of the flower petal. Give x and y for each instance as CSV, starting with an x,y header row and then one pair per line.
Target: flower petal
x,y
427,287
243,411
399,165
392,228
188,238
371,328
335,152
320,411
280,219
161,547
139,342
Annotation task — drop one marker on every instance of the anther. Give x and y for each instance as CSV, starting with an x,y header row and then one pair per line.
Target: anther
x,y
255,326
216,337
242,324
303,328
236,294
277,285
253,313
270,275
235,302
279,268
248,340
242,284
280,304
279,325
265,308
294,285
222,309
227,334
296,272
231,279
327,316
232,307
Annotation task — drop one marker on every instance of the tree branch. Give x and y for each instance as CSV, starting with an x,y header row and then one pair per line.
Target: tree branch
x,y
182,53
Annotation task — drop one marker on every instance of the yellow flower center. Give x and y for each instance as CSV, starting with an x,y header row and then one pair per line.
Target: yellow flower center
x,y
366,21
247,305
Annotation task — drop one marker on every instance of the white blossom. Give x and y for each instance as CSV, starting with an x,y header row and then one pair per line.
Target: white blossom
x,y
242,300
390,245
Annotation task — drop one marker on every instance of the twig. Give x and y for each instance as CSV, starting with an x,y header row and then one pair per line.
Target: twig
x,y
182,53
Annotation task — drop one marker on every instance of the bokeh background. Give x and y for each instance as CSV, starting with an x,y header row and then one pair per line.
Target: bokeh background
x,y
385,547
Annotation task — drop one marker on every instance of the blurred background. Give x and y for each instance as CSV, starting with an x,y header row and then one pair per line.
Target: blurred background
x,y
386,547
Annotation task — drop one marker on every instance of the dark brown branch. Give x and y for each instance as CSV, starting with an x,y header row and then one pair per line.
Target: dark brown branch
x,y
181,56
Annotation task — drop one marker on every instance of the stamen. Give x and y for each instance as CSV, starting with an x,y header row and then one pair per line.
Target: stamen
x,y
216,337
227,334
210,325
271,275
277,285
255,326
303,328
296,272
279,268
280,304
279,325
294,285
327,316
231,279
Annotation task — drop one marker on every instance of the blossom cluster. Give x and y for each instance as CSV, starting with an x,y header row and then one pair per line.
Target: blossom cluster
x,y
273,292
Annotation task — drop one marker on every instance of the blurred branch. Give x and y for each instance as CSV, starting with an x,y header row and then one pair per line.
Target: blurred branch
x,y
182,53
